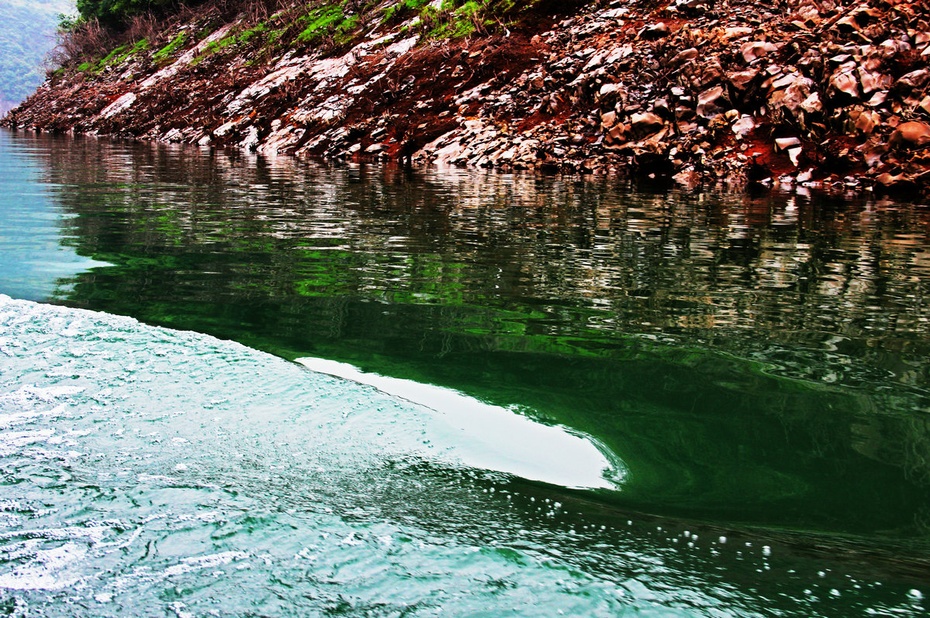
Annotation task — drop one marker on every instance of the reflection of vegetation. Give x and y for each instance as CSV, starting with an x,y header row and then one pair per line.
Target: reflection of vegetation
x,y
760,360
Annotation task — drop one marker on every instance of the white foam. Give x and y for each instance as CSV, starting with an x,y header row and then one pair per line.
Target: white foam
x,y
489,437
44,571
205,562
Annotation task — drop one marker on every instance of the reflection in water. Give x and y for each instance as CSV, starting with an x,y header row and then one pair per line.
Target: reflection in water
x,y
32,259
752,360
155,472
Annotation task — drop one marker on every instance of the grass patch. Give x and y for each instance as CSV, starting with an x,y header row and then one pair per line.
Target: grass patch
x,y
320,21
237,38
403,10
456,18
169,50
329,22
116,57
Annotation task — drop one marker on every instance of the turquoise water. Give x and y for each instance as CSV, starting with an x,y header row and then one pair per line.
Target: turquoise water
x,y
511,394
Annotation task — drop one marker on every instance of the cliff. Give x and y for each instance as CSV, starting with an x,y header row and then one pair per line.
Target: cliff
x,y
796,93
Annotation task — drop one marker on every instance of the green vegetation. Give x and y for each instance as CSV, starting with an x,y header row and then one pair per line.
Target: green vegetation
x,y
116,13
455,18
403,9
231,40
328,20
102,36
168,50
115,58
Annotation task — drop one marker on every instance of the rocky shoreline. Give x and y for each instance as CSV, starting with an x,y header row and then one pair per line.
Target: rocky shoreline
x,y
802,93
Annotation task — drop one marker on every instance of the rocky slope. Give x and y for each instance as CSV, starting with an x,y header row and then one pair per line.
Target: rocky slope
x,y
794,92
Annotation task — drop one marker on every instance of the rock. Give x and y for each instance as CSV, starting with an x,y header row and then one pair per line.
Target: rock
x,y
743,126
888,180
707,105
877,98
914,80
784,143
925,104
844,82
741,79
866,122
872,81
812,104
654,31
753,50
685,55
608,120
645,123
616,134
795,96
910,135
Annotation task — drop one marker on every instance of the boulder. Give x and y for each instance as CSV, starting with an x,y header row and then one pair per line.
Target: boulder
x,y
911,135
707,105
645,123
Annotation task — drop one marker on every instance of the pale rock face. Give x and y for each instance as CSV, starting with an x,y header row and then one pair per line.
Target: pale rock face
x,y
119,105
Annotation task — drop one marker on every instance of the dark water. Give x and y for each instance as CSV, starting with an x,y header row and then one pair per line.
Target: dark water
x,y
746,377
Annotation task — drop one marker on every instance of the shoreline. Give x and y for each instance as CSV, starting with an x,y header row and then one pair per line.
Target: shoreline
x,y
822,96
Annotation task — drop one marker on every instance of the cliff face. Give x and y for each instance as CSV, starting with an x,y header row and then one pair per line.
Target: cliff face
x,y
802,92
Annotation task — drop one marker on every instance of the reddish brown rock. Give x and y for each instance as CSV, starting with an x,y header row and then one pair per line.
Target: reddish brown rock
x,y
911,135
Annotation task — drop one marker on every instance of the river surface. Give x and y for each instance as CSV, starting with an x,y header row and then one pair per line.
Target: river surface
x,y
246,387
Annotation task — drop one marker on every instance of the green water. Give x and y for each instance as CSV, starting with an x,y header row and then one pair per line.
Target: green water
x,y
748,375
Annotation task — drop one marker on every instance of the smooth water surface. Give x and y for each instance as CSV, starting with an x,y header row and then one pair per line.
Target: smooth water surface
x,y
524,394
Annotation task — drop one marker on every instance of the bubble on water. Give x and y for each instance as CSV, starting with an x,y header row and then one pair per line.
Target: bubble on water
x,y
722,539
766,550
915,594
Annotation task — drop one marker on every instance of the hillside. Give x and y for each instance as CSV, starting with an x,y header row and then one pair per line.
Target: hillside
x,y
27,34
797,93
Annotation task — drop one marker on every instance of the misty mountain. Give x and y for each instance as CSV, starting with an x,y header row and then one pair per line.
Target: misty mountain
x,y
27,35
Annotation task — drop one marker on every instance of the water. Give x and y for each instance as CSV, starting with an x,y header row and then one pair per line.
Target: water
x,y
514,394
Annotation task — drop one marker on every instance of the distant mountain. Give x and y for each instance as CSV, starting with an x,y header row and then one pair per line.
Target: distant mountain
x,y
27,34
